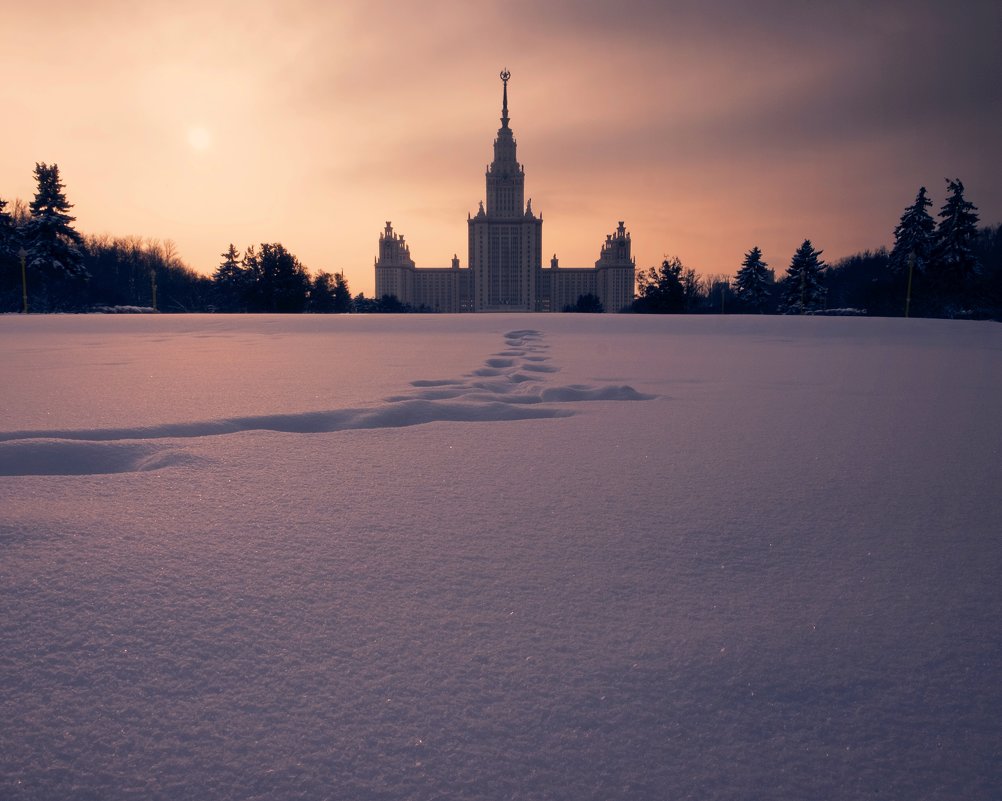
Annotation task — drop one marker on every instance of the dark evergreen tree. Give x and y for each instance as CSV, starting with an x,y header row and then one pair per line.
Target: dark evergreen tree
x,y
342,295
322,293
660,289
802,290
10,240
282,284
10,263
254,291
249,261
953,258
751,284
363,305
52,243
231,282
913,237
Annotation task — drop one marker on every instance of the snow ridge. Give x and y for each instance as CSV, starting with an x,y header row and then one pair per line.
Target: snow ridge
x,y
498,391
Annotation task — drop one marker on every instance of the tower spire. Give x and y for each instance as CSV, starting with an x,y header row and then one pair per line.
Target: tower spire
x,y
505,195
505,75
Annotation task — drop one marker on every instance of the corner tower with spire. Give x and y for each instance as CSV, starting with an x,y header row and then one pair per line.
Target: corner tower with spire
x,y
505,238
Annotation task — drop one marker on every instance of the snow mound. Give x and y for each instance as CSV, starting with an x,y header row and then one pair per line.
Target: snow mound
x,y
838,313
581,392
434,382
539,368
55,457
123,310
410,412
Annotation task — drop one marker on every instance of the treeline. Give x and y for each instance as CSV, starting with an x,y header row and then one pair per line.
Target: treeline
x,y
951,268
46,265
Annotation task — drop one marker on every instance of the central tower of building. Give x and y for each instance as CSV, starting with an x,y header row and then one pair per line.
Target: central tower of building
x,y
506,248
505,272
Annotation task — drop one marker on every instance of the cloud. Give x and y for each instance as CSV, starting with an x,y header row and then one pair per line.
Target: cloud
x,y
709,126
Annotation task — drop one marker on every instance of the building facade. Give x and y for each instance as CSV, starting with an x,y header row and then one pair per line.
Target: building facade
x,y
505,271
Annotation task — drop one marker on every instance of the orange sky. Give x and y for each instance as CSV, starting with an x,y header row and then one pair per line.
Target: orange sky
x,y
709,127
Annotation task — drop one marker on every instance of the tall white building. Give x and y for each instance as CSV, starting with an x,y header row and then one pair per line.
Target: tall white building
x,y
505,270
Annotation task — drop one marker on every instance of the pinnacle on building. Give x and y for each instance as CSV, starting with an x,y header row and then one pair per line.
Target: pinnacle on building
x,y
505,258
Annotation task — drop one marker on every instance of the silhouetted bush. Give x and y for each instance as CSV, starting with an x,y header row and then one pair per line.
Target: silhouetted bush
x,y
587,303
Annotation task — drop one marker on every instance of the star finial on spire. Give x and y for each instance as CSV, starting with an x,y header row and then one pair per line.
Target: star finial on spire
x,y
505,75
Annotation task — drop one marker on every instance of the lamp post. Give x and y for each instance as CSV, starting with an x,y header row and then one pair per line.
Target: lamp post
x,y
23,254
908,295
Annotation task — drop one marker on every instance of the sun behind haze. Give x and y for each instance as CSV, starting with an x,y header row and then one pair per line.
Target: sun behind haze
x,y
199,138
707,127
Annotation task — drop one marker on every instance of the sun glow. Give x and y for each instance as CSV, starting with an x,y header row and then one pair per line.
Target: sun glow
x,y
199,138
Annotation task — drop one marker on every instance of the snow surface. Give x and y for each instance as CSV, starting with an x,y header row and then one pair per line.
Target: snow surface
x,y
499,556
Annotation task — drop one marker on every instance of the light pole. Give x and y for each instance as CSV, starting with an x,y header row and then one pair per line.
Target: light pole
x,y
908,295
23,254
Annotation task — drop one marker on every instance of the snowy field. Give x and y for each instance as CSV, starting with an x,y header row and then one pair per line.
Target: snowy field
x,y
500,557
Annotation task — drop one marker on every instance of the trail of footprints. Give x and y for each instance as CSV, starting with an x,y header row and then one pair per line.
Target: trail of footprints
x,y
512,384
500,379
515,375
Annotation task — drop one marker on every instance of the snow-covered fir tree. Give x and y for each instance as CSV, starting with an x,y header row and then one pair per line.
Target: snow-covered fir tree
x,y
953,258
914,236
802,290
751,284
53,245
